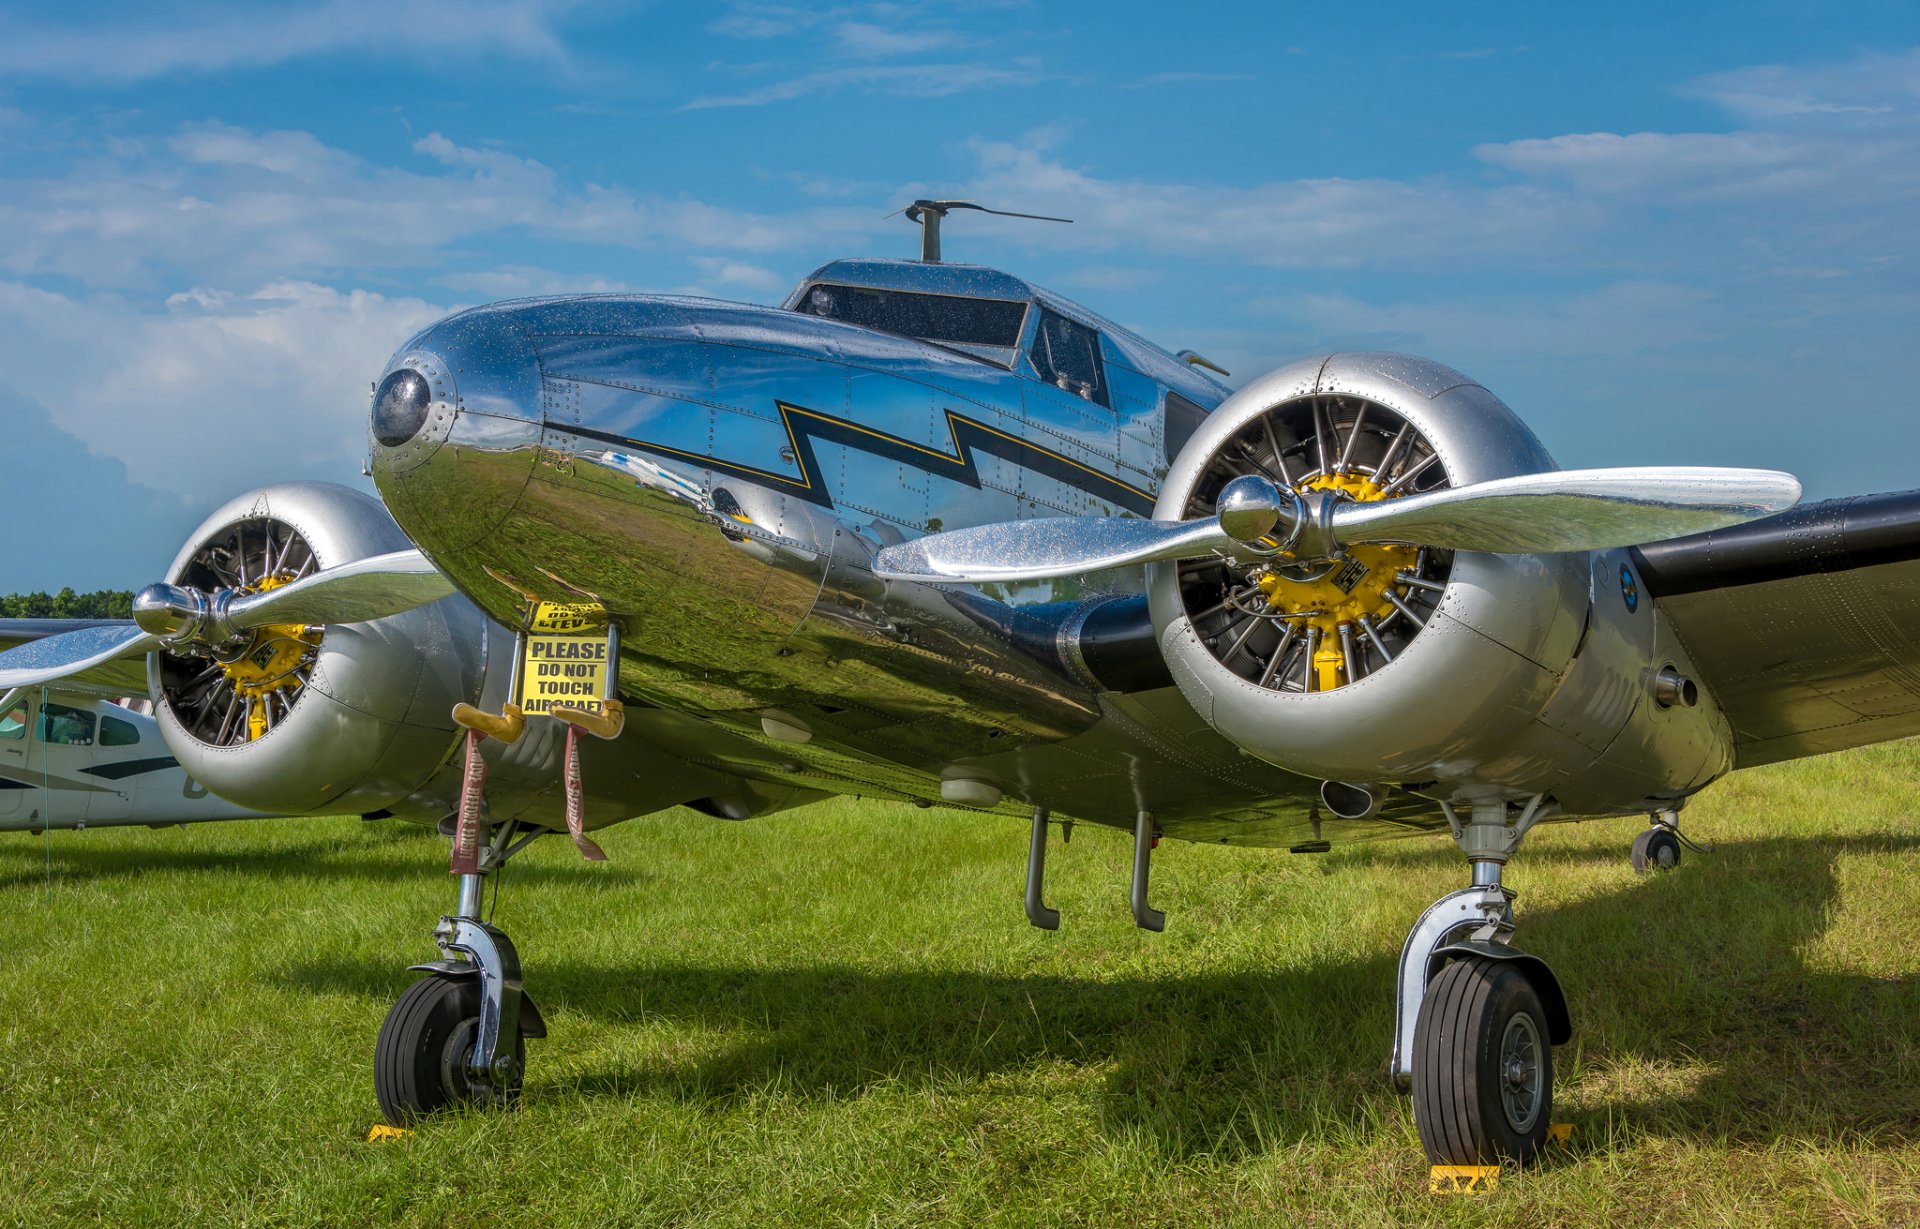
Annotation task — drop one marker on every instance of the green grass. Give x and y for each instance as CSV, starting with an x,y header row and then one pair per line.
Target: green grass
x,y
840,1017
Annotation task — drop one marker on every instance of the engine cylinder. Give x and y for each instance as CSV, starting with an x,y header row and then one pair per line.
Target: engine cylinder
x,y
296,718
1389,662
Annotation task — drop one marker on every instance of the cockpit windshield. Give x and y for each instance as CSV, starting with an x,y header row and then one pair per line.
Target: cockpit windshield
x,y
984,328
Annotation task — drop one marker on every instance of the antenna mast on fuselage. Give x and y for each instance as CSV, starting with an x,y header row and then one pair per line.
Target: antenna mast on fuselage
x,y
929,213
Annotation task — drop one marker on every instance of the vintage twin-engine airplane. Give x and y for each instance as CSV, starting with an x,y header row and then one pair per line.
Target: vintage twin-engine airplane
x,y
930,532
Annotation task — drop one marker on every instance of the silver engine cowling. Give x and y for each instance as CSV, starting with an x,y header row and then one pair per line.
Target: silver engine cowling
x,y
1442,670
347,717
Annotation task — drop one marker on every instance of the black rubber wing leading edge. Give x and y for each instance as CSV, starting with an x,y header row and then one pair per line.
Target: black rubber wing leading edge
x,y
1805,626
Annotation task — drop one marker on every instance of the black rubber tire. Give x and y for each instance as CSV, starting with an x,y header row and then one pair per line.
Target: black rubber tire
x,y
1656,849
419,1062
1458,1102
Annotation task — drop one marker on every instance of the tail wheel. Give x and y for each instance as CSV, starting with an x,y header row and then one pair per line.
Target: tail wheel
x,y
1482,1066
1321,625
420,1061
1656,849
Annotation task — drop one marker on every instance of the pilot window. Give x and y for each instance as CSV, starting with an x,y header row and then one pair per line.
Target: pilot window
x,y
117,733
983,328
61,726
13,723
1066,354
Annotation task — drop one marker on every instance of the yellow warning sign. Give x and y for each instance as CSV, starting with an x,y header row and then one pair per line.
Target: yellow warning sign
x,y
570,618
558,669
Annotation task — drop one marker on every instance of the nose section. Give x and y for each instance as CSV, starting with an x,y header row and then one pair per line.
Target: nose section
x,y
454,427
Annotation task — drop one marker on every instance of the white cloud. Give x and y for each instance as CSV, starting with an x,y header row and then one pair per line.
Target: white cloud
x,y
200,38
522,281
250,387
763,21
733,279
865,38
1620,319
1185,79
1298,223
229,206
1873,84
908,80
1701,167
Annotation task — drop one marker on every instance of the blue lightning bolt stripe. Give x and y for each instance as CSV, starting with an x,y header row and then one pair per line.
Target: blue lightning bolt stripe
x,y
804,426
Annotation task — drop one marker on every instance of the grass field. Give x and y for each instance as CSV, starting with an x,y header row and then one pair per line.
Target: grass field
x,y
840,1017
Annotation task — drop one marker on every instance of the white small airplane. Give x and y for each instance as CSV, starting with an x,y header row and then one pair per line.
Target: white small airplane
x,y
75,761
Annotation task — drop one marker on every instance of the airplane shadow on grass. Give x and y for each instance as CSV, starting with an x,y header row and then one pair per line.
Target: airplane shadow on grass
x,y
1694,1010
385,852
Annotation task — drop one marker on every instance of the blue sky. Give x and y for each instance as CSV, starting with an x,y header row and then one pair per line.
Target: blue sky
x,y
1664,234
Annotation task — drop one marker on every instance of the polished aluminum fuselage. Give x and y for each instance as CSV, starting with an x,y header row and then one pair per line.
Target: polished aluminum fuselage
x,y
720,476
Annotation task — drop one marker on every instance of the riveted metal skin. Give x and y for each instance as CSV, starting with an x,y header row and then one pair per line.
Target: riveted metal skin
x,y
413,449
1479,703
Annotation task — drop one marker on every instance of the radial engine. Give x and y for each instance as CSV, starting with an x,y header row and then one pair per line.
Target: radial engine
x,y
294,717
1459,672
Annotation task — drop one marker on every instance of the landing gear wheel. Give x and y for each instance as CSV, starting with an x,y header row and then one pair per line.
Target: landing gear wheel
x,y
1658,848
1482,1066
420,1061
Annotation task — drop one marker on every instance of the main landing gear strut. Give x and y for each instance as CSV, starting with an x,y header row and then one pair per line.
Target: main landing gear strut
x,y
1477,1018
458,1035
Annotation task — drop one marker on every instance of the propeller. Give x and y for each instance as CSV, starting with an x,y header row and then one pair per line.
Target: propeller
x,y
1563,510
186,620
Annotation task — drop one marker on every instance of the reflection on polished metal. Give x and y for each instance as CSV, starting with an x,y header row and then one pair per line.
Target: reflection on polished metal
x,y
53,658
1670,688
1580,510
1037,912
1573,510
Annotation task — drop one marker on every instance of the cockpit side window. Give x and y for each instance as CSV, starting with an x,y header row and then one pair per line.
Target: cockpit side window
x,y
117,733
63,726
13,722
1066,354
983,328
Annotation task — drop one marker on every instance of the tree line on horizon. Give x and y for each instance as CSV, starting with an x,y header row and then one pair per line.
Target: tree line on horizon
x,y
66,604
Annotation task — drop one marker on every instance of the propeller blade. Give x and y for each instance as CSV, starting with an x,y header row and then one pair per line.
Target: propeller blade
x,y
1043,549
1569,510
53,658
354,592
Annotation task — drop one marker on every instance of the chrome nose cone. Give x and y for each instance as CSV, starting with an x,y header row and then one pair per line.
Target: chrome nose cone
x,y
400,406
414,405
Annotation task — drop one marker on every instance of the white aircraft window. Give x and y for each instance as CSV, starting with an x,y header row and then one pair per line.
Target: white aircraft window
x,y
117,733
13,724
62,726
1067,356
973,325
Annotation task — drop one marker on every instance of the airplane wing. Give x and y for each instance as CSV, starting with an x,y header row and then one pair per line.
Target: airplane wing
x,y
1805,625
117,676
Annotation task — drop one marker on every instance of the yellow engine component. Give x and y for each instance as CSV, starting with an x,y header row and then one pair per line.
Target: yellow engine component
x,y
271,661
1352,587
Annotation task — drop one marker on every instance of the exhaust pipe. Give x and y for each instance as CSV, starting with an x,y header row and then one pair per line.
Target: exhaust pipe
x,y
1346,800
1672,688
